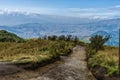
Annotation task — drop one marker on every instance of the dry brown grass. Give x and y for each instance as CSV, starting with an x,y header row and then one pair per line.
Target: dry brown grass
x,y
33,50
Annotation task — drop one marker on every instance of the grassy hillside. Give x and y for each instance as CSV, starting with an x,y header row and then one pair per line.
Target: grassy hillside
x,y
34,50
104,63
9,37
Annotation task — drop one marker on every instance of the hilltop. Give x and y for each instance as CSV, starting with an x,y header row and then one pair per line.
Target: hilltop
x,y
9,37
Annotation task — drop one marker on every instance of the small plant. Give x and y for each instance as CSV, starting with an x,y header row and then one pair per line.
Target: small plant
x,y
98,41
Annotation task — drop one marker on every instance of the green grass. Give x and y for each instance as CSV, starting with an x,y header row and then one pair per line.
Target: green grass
x,y
18,50
33,50
9,37
107,58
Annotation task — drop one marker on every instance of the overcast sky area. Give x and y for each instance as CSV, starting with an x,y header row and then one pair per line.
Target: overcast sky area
x,y
74,8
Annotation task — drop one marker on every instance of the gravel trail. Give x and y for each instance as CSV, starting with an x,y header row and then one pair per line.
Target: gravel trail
x,y
73,67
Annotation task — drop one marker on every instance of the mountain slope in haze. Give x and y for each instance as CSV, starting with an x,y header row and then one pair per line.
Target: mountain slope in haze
x,y
84,32
108,26
103,33
32,25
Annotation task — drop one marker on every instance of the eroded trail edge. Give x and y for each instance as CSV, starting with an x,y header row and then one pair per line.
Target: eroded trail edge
x,y
73,67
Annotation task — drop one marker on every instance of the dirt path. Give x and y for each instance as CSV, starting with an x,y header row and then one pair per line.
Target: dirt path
x,y
8,68
73,67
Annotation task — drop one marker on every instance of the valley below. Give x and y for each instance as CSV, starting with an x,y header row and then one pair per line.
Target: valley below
x,y
84,30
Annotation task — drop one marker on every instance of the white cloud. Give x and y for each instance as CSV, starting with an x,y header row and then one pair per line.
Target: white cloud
x,y
117,6
94,13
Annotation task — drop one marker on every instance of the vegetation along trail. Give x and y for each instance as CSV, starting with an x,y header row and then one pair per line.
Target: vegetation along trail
x,y
73,67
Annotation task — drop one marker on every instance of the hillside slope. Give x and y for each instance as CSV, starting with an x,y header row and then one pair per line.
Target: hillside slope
x,y
103,27
9,37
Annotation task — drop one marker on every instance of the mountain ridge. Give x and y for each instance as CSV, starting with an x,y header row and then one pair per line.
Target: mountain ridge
x,y
37,25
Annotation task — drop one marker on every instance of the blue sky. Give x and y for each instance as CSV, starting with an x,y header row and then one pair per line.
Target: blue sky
x,y
59,3
75,8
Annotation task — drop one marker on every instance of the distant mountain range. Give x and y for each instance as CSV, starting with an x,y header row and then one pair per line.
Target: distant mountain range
x,y
36,25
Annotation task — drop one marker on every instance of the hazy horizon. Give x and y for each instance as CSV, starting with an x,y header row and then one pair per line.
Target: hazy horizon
x,y
103,9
